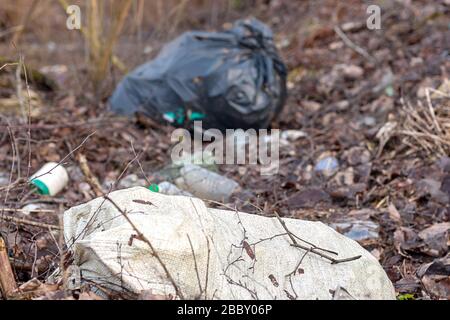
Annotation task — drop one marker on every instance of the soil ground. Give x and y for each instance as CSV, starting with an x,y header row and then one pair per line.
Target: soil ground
x,y
349,95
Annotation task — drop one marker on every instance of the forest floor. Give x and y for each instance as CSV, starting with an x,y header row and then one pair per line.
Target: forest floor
x,y
378,101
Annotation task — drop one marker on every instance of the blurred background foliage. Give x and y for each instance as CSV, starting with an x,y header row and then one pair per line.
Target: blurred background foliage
x,y
33,24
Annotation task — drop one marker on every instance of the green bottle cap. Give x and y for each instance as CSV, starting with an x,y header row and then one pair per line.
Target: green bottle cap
x,y
154,187
196,116
41,187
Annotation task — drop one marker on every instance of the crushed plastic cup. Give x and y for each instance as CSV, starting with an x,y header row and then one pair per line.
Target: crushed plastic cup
x,y
50,179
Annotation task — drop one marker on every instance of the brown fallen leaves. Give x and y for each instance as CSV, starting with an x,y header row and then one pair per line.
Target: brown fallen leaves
x,y
435,277
34,289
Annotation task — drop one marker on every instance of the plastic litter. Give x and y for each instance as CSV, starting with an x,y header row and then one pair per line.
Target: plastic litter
x,y
59,73
196,174
358,230
206,184
201,158
50,179
131,180
229,79
27,209
293,135
220,249
153,187
4,179
327,166
168,188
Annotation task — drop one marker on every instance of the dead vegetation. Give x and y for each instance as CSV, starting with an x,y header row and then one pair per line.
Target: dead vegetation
x,y
426,124
346,83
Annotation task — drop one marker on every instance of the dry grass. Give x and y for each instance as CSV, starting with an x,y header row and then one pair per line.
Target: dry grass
x,y
107,29
427,124
102,38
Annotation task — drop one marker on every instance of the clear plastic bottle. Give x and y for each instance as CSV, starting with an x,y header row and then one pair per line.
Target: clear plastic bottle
x,y
206,184
168,188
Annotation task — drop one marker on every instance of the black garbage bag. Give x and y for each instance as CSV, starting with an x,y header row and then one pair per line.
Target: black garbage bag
x,y
230,79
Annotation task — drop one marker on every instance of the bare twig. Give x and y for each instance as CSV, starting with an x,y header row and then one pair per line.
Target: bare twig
x,y
25,21
353,46
139,163
90,177
333,260
26,211
111,188
293,272
28,116
19,89
314,249
207,266
67,156
76,124
426,127
14,151
25,266
292,236
30,222
142,237
115,60
9,64
7,279
10,30
196,267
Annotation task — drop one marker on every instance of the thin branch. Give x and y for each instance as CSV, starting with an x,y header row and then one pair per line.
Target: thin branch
x,y
353,46
7,280
9,64
333,260
142,237
314,249
196,267
68,155
91,179
30,222
293,236
26,211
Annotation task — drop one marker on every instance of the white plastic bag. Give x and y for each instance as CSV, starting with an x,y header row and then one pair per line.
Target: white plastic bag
x,y
232,259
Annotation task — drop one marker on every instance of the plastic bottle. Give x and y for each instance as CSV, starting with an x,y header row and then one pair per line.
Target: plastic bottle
x,y
168,188
206,184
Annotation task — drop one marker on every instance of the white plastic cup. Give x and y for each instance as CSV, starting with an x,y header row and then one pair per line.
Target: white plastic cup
x,y
50,179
